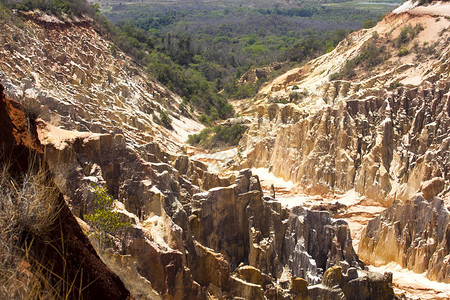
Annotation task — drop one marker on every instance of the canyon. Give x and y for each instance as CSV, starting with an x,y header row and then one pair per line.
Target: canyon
x,y
359,165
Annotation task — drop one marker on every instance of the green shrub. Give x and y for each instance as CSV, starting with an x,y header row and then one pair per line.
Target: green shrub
x,y
403,51
219,136
166,121
369,24
104,220
407,34
201,137
230,135
205,119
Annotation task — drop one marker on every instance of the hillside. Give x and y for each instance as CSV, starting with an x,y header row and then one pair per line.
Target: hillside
x,y
381,128
337,189
75,77
370,117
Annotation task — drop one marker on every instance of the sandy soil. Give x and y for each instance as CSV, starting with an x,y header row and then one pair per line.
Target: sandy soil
x,y
413,285
60,138
436,9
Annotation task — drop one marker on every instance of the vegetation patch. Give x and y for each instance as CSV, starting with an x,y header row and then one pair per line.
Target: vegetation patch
x,y
403,51
200,52
165,119
370,56
56,7
218,137
407,34
104,221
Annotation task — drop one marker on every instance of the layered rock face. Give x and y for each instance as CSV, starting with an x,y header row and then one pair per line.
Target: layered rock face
x,y
80,82
62,250
364,133
415,234
384,147
186,242
195,235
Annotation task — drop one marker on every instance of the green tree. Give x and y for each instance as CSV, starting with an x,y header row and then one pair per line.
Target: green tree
x,y
104,220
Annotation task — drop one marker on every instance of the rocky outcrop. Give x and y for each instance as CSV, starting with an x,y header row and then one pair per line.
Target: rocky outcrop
x,y
62,251
432,187
381,132
78,79
314,243
219,218
414,233
384,147
353,285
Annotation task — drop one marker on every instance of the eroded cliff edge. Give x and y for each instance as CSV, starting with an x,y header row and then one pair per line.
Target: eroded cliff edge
x,y
382,131
58,255
197,235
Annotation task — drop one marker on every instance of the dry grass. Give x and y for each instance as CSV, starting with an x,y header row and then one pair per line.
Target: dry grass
x,y
28,209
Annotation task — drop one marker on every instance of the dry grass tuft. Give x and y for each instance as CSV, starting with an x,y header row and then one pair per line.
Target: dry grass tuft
x,y
28,209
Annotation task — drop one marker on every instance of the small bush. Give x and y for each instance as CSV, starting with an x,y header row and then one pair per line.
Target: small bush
x,y
407,34
205,119
201,137
369,24
166,121
403,51
104,220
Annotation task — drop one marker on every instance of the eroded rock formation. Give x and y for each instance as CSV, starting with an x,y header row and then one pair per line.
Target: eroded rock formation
x,y
63,250
188,241
384,147
363,133
414,233
79,81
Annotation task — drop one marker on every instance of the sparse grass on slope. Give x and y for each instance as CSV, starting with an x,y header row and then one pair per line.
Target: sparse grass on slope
x,y
27,211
